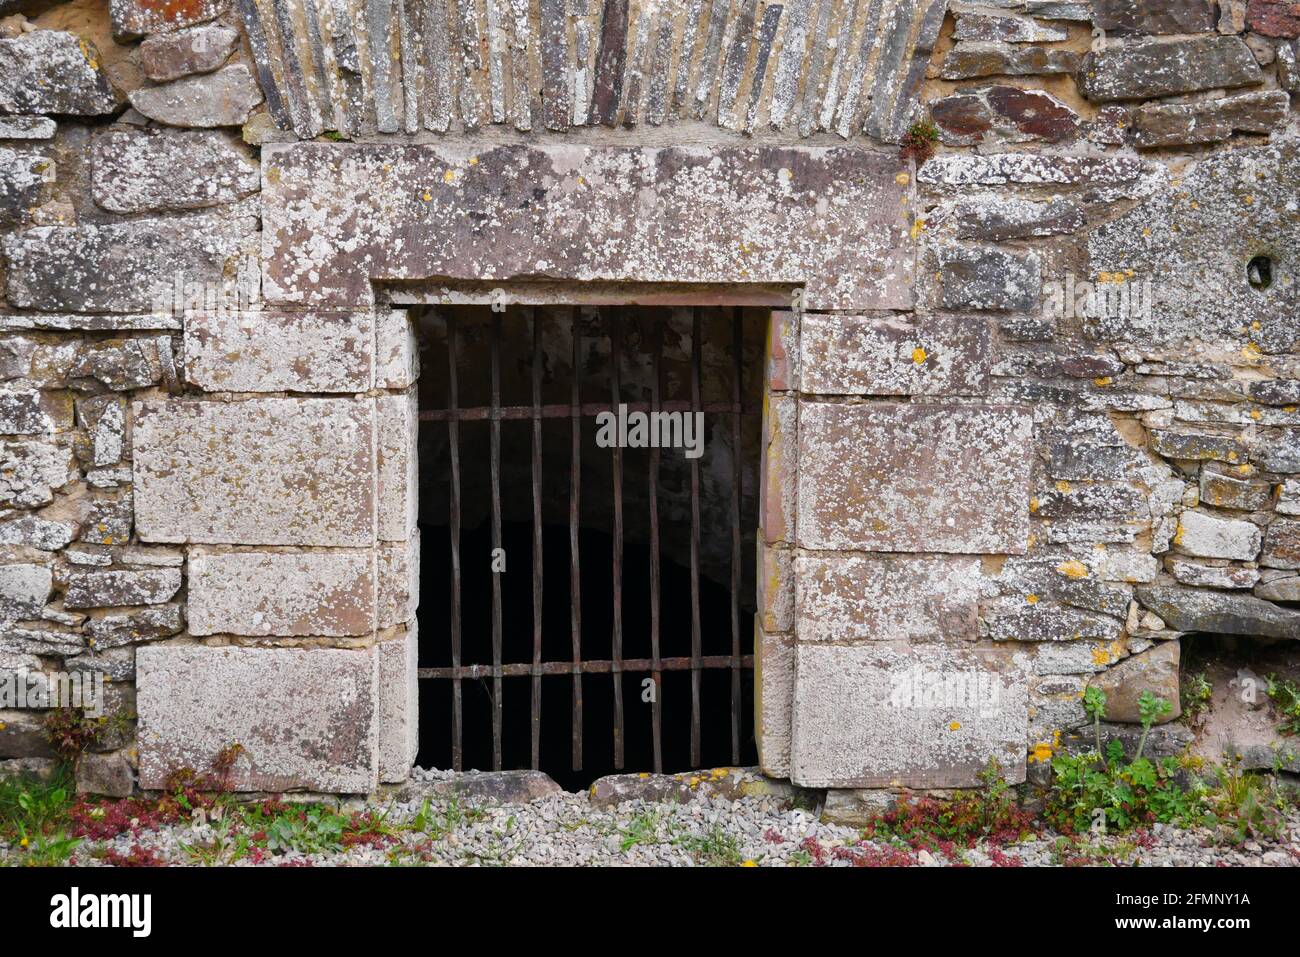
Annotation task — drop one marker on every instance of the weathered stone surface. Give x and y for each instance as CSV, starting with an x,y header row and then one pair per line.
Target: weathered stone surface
x,y
778,467
1002,218
32,412
1210,576
399,705
1279,589
1208,536
307,719
986,278
257,472
114,267
1011,27
973,59
397,483
719,216
1039,620
224,98
24,590
1155,16
154,170
1282,545
27,128
928,715
1198,446
913,478
484,787
110,520
397,352
30,471
1278,452
49,71
22,735
170,56
128,628
1164,741
1155,671
718,783
1190,609
24,178
132,18
1002,114
860,355
94,588
773,700
958,173
104,419
1210,121
1149,69
40,641
1229,491
328,593
46,534
1274,18
108,775
887,598
272,351
398,588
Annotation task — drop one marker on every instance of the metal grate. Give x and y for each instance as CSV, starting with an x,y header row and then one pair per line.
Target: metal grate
x,y
727,414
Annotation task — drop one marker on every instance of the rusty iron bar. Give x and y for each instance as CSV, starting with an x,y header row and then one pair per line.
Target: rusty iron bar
x,y
495,423
575,580
565,410
656,715
536,751
616,636
697,649
627,665
737,347
453,436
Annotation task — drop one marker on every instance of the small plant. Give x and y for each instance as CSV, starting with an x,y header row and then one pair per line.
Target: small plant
x,y
1195,694
642,829
717,848
71,732
1249,805
919,142
1285,696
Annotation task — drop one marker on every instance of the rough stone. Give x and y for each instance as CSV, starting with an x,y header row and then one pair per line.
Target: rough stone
x,y
277,593
1228,491
398,587
27,128
397,351
958,173
1209,121
778,468
1198,446
32,412
22,735
773,699
860,355
272,351
1155,68
156,170
223,98
484,787
170,56
1040,620
1279,589
1163,741
890,715
49,71
133,18
1004,218
25,175
1155,16
104,419
1210,576
1206,536
1191,609
307,719
719,216
110,520
108,775
1010,27
24,589
1155,671
306,463
397,483
1002,114
399,706
31,471
1282,545
100,268
987,278
974,59
1274,18
94,588
913,478
127,628
46,534
847,598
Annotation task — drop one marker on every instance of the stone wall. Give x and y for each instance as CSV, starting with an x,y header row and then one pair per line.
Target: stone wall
x,y
1032,403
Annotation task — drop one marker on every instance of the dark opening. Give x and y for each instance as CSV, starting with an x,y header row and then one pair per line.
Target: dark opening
x,y
641,339
1259,272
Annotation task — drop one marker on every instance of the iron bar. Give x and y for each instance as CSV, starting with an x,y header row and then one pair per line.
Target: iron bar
x,y
656,716
696,641
453,436
560,668
575,580
495,422
616,636
537,542
565,410
737,348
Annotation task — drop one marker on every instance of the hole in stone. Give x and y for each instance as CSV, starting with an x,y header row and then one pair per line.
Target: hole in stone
x,y
1259,272
596,538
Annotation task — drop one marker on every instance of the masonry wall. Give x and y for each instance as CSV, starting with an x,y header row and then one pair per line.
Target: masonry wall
x,y
1032,401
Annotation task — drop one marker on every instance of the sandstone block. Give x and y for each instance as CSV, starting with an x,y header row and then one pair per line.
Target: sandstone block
x,y
224,98
1155,671
1207,536
399,705
156,170
170,56
50,71
397,484
100,588
1150,69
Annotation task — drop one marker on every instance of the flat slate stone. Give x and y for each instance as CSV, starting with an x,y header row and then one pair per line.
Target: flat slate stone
x,y
1149,69
897,715
914,478
970,60
328,593
49,71
835,219
306,718
156,170
133,18
1185,124
1002,114
105,588
27,128
256,472
170,56
224,98
1224,613
1155,16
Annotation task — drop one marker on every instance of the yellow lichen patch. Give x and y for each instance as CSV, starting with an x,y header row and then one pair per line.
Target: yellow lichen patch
x,y
473,161
902,179
1032,599
449,176
1033,504
954,726
1102,381
1063,486
1178,535
426,196
1042,752
1073,569
918,227
1251,352
919,355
